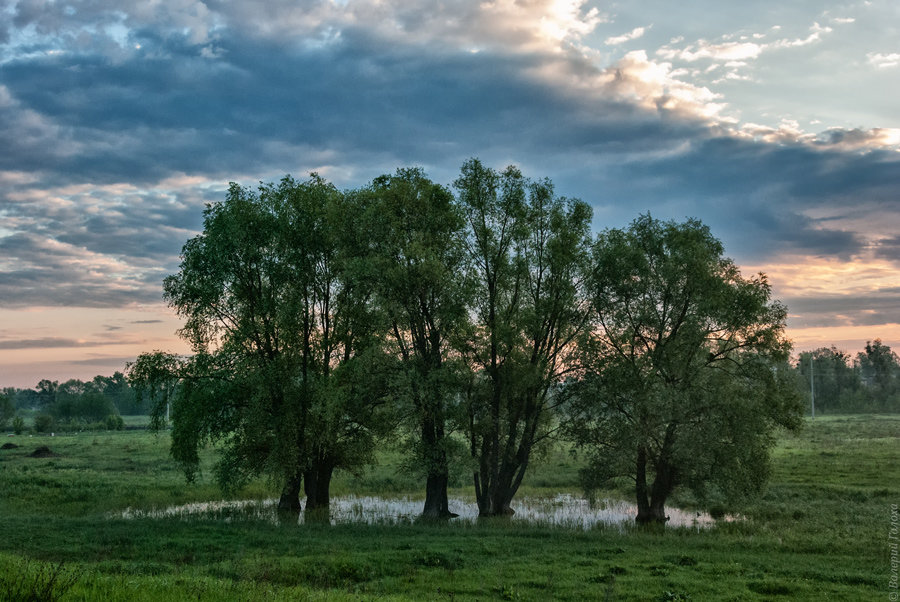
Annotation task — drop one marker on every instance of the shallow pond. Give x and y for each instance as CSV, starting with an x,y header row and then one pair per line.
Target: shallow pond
x,y
564,510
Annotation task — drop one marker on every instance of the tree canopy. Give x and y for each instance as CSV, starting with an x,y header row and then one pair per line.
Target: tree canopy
x,y
278,322
841,383
527,255
686,367
417,262
321,321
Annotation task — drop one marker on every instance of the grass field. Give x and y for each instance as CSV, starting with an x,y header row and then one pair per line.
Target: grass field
x,y
819,533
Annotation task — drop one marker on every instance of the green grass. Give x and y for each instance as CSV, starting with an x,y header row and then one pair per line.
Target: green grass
x,y
818,533
139,421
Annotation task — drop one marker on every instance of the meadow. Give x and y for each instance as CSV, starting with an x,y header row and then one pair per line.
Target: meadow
x,y
820,532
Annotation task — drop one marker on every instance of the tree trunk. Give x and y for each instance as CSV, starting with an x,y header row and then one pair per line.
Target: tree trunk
x,y
644,514
436,505
663,484
497,496
290,495
505,452
317,483
500,505
438,471
652,508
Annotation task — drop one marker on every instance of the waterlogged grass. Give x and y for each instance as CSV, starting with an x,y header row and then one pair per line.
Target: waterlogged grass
x,y
819,532
560,510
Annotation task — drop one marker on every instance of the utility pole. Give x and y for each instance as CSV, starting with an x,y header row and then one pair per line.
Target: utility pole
x,y
812,385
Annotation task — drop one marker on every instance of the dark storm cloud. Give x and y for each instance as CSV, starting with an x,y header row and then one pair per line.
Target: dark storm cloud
x,y
168,109
179,112
142,226
267,106
45,286
50,274
889,248
754,194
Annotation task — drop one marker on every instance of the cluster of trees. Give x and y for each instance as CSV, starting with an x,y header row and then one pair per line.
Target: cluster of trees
x,y
73,402
7,410
869,382
473,324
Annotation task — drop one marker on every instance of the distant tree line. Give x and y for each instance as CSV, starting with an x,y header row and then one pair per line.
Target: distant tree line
x,y
471,326
868,382
73,403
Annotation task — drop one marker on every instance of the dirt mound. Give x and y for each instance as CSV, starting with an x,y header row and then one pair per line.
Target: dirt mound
x,y
8,446
42,452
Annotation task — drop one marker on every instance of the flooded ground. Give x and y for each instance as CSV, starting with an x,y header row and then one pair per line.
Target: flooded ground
x,y
564,510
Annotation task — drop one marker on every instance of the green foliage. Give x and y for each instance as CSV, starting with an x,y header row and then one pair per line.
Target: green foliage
x,y
114,422
416,268
687,368
279,321
7,410
18,425
46,394
527,253
837,380
75,403
81,403
319,321
868,383
44,423
121,395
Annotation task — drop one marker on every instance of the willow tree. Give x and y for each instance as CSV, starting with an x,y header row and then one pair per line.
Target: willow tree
x,y
686,368
527,252
278,323
416,261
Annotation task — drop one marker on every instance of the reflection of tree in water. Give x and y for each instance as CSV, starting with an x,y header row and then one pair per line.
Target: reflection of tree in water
x,y
562,510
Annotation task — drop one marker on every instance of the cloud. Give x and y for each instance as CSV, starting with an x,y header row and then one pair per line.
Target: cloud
x,y
889,248
728,57
316,24
634,34
814,36
787,132
725,51
110,363
842,310
56,343
655,87
883,61
44,271
859,139
120,124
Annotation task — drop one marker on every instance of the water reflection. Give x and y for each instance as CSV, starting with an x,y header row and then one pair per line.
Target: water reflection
x,y
563,509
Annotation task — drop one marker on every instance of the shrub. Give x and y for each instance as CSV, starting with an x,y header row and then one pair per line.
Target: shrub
x,y
114,422
18,425
44,423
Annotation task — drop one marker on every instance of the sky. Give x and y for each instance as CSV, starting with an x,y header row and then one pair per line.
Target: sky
x,y
776,123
